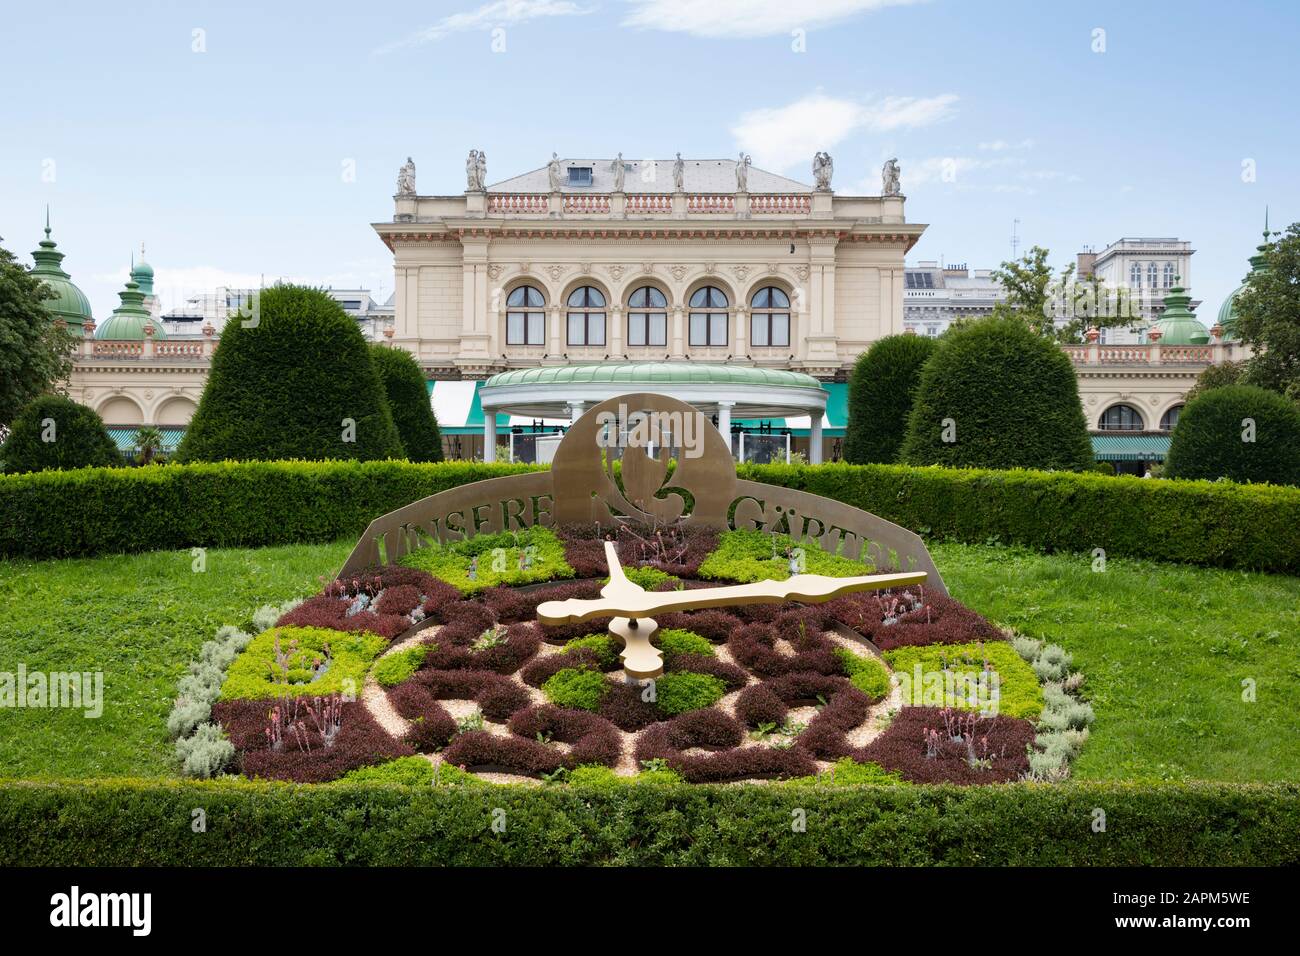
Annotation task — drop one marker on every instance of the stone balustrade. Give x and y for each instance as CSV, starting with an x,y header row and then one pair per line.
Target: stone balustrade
x,y
1153,354
649,204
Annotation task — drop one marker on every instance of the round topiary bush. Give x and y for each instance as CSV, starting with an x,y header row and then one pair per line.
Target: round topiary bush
x,y
293,380
996,395
881,387
408,402
1240,432
56,432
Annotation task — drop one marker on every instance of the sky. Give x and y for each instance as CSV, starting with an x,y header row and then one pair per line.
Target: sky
x,y
240,141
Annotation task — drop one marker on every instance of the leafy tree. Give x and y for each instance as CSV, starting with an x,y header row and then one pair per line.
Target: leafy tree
x,y
1039,298
294,379
996,395
1268,317
149,440
35,351
881,386
1241,432
55,432
1216,376
408,401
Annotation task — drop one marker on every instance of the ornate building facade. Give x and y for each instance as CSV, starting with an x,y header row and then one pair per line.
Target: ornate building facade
x,y
598,260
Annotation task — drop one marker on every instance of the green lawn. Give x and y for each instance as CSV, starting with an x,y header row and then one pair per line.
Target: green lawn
x,y
140,619
1165,648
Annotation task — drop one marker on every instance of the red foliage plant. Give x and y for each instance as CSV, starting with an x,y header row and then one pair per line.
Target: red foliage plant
x,y
754,646
592,739
711,624
537,672
398,599
920,744
904,619
669,741
331,612
497,697
452,648
360,741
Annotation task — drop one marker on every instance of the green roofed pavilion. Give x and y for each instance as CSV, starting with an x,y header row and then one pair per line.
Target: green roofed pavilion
x,y
69,302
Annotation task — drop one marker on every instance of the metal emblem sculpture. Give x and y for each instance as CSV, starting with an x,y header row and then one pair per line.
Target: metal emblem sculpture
x,y
674,468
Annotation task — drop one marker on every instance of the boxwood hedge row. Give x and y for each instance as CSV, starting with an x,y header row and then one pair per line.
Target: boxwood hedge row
x,y
152,823
112,510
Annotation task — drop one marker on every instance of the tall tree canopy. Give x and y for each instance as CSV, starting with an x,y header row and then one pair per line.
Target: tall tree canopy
x,y
1040,298
1268,317
35,351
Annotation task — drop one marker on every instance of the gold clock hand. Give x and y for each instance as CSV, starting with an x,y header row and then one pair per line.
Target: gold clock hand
x,y
632,602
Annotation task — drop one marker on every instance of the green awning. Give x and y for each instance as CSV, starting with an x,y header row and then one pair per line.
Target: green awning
x,y
124,438
459,410
834,421
1119,447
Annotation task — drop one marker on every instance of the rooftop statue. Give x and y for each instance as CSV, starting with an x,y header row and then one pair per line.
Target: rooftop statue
x,y
742,173
679,173
823,168
553,172
475,171
619,171
889,176
406,178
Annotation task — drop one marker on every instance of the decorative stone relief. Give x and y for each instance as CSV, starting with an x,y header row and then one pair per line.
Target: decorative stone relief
x,y
525,268
679,272
648,268
556,271
802,272
585,267
615,272
741,272
494,271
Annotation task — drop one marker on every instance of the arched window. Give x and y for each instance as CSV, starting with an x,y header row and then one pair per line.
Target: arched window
x,y
1170,418
709,317
525,320
586,316
1121,418
769,324
647,317
1151,276
1135,275
1169,275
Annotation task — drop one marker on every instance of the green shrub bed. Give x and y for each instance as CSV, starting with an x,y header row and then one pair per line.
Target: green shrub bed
x,y
114,510
138,823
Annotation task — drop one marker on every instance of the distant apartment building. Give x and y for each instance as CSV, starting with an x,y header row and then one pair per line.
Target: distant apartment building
x,y
214,308
935,295
1149,268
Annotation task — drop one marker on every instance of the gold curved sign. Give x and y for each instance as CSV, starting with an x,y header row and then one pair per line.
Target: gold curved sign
x,y
648,458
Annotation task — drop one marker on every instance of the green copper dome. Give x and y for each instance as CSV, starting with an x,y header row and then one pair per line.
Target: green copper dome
x,y
129,319
69,302
1177,325
142,274
1228,311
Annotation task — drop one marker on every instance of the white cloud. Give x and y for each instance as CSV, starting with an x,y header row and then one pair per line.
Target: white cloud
x,y
499,13
1001,145
780,137
747,18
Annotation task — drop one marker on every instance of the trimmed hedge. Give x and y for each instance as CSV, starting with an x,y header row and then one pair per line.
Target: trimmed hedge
x,y
148,823
881,387
1011,395
79,438
408,401
58,514
95,511
1193,522
285,384
1209,440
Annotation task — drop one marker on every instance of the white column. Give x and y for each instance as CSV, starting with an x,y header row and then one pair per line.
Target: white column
x,y
815,439
724,422
489,434
575,411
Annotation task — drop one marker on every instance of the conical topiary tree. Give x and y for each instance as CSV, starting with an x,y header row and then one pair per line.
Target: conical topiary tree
x,y
880,397
293,379
995,395
56,432
408,401
1241,432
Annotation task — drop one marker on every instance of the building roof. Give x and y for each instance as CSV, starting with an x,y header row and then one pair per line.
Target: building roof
x,y
129,319
142,274
1177,324
652,375
69,302
653,176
